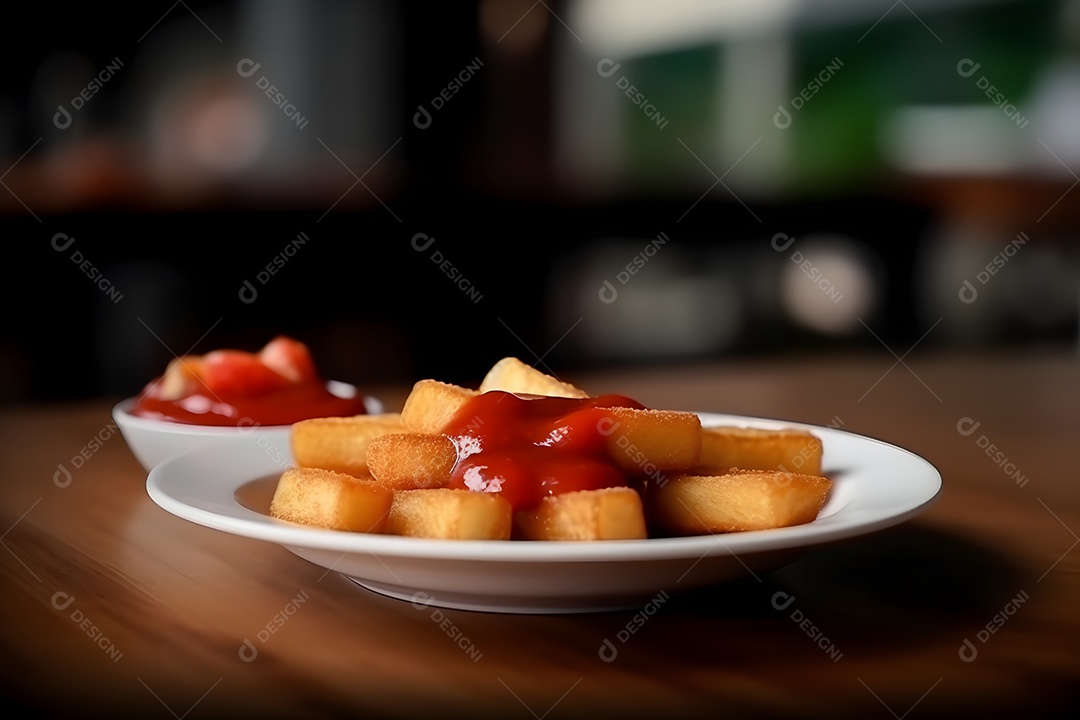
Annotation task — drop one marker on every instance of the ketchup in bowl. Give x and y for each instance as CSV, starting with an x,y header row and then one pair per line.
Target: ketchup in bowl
x,y
526,448
279,385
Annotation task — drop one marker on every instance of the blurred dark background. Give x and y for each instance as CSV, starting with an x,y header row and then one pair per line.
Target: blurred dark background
x,y
418,189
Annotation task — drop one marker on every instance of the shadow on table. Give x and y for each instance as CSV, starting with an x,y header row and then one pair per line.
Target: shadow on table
x,y
898,586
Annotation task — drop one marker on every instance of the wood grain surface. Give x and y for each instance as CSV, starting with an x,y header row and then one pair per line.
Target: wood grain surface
x,y
113,607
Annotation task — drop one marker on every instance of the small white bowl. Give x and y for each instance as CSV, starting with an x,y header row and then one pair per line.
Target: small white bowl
x,y
154,441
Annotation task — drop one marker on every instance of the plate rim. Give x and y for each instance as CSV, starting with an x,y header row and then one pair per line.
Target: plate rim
x,y
248,523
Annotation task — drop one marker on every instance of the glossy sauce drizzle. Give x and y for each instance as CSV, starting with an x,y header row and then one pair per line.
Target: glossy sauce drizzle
x,y
527,447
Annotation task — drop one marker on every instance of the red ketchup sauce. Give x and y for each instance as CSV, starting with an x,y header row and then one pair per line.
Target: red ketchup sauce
x,y
526,448
280,407
232,388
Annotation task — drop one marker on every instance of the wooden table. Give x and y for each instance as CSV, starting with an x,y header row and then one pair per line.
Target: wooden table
x,y
112,605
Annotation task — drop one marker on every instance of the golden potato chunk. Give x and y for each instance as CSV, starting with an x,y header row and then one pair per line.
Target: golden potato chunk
x,y
723,448
432,404
608,514
332,500
451,514
409,461
340,443
735,501
652,441
514,376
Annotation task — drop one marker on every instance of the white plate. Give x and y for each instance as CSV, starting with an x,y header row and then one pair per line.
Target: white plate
x,y
228,487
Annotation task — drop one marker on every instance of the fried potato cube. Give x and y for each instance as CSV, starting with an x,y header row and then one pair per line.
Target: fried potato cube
x,y
608,514
653,441
512,375
339,443
332,500
180,376
451,514
432,404
791,450
735,501
408,461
